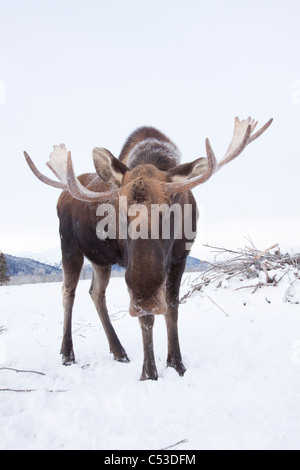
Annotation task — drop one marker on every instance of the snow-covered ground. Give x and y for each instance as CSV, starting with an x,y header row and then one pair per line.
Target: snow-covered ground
x,y
241,389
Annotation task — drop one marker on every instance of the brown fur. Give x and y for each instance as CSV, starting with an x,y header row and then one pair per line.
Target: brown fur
x,y
140,135
153,267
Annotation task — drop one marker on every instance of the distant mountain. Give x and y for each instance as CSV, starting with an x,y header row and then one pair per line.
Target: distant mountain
x,y
51,257
28,270
194,264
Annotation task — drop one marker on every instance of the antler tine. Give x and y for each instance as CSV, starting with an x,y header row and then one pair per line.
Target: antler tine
x,y
49,165
234,148
78,191
212,165
211,160
234,152
241,138
58,162
260,131
41,177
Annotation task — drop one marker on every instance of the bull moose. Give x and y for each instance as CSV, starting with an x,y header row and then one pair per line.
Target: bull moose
x,y
147,173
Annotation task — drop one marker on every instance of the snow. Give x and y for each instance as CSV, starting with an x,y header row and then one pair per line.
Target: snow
x,y
241,389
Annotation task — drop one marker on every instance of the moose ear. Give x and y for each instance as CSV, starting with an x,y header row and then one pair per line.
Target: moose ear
x,y
108,167
187,171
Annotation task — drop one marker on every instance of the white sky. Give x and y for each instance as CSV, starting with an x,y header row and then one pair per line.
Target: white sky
x,y
87,73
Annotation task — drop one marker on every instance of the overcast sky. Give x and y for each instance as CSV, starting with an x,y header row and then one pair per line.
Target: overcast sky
x,y
87,73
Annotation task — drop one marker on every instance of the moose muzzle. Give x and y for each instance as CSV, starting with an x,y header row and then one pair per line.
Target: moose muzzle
x,y
154,305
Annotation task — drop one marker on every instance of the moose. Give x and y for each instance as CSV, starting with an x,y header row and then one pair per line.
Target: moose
x,y
148,172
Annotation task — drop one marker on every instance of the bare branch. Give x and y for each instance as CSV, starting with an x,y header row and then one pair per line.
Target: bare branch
x,y
26,371
265,251
217,306
30,390
247,263
174,445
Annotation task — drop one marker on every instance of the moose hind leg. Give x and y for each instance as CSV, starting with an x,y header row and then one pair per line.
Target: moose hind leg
x,y
101,276
71,267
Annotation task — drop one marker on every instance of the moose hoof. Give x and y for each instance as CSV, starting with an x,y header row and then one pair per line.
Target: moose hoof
x,y
178,366
120,355
123,359
149,374
146,377
68,360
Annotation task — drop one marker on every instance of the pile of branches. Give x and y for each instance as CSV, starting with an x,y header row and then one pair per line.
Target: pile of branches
x,y
247,263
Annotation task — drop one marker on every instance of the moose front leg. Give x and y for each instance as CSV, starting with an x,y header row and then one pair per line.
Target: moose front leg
x,y
149,367
72,261
173,285
101,276
67,351
174,355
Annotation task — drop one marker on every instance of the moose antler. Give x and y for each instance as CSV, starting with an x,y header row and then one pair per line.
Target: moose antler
x,y
43,178
78,191
61,165
57,164
241,138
